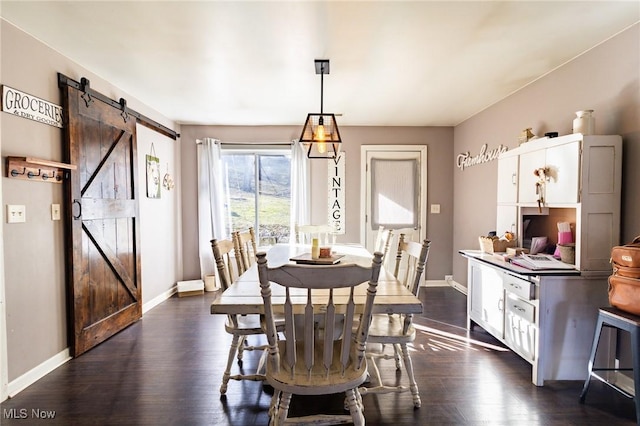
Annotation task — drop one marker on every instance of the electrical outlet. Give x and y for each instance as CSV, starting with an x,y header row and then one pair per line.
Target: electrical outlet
x,y
55,211
448,278
16,213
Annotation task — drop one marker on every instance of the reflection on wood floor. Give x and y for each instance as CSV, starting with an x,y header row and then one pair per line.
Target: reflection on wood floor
x,y
167,368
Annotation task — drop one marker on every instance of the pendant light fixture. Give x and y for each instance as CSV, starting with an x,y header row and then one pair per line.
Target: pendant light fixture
x,y
320,133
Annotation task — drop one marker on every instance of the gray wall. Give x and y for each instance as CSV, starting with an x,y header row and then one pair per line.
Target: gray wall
x,y
605,79
34,252
439,172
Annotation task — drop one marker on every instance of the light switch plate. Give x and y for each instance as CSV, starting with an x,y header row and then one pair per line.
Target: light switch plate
x,y
435,208
16,213
55,211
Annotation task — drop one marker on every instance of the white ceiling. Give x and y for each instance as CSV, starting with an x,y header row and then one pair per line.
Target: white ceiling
x,y
422,63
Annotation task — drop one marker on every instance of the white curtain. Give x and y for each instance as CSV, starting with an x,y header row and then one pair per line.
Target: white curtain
x,y
300,188
211,200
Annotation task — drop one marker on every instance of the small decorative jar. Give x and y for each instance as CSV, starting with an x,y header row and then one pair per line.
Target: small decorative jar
x,y
584,123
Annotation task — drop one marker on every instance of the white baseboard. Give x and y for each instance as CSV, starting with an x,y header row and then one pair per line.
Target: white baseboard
x,y
445,283
462,289
37,373
434,283
146,307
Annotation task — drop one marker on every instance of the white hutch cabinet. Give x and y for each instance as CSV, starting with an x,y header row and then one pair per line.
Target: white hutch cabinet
x,y
548,317
583,187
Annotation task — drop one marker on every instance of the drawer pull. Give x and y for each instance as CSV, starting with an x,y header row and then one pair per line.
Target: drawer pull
x,y
519,308
516,286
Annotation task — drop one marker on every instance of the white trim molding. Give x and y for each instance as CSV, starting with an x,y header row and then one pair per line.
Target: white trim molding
x,y
146,307
35,374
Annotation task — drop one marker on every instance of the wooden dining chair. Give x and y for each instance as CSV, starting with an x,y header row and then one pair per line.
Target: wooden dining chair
x,y
318,359
245,248
239,326
383,241
325,234
397,329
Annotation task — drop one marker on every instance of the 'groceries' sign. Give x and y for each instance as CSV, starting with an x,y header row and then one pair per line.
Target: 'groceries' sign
x,y
27,106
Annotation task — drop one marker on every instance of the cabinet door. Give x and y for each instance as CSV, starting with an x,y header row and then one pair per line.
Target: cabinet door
x,y
487,298
520,329
563,162
507,219
529,162
508,179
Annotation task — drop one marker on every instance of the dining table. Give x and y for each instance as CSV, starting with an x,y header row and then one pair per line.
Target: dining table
x,y
244,297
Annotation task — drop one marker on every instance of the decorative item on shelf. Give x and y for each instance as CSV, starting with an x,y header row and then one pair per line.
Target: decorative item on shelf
x,y
565,236
320,132
526,136
542,174
551,134
568,253
167,181
36,169
584,123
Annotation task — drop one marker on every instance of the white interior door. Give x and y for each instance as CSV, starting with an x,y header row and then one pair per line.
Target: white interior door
x,y
393,192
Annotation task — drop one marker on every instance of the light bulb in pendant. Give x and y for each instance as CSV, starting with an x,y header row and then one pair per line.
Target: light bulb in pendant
x,y
320,136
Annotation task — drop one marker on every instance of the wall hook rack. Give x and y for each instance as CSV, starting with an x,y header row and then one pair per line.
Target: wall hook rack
x,y
36,169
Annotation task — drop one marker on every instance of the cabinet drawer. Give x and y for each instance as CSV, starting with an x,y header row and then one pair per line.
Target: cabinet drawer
x,y
520,308
522,288
520,336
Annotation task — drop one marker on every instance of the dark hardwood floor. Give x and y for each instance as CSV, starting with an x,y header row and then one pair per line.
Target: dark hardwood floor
x,y
166,369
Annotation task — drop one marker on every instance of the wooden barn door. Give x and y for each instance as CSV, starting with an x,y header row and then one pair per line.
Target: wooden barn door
x,y
103,220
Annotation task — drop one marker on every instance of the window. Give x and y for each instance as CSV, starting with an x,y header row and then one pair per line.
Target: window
x,y
259,192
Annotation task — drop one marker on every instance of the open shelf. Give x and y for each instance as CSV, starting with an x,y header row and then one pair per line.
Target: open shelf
x,y
37,169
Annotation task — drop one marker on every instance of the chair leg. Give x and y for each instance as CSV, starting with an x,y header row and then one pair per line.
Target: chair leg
x,y
592,357
355,407
408,365
241,348
227,372
397,351
283,408
273,408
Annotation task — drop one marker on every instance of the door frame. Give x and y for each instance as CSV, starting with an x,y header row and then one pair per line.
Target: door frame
x,y
364,150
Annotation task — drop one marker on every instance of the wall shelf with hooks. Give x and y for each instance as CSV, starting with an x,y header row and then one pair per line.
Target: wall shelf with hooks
x,y
30,168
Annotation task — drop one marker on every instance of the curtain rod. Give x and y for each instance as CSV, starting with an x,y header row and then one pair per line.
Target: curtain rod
x,y
199,142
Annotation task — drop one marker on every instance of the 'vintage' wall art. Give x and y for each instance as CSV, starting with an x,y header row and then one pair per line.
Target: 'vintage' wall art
x,y
336,175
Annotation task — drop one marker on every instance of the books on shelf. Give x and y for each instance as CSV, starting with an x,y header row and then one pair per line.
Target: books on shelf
x,y
539,262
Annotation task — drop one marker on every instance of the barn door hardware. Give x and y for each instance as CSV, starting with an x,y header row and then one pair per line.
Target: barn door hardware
x,y
86,94
93,95
123,107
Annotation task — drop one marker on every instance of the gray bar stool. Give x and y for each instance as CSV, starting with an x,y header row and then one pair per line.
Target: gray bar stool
x,y
620,320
